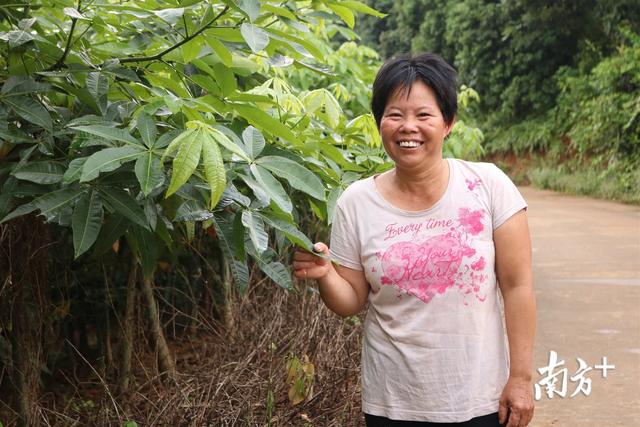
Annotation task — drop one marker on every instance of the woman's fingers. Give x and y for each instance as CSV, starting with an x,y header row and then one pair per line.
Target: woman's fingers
x,y
308,265
297,265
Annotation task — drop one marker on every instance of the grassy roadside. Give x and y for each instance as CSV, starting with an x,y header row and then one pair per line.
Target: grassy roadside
x,y
619,182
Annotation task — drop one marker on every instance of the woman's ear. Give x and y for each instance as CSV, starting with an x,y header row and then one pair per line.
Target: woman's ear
x,y
449,127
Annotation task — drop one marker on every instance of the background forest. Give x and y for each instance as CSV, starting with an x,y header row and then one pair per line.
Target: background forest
x,y
160,159
559,82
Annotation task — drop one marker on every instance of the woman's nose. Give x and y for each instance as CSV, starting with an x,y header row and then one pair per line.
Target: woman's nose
x,y
409,124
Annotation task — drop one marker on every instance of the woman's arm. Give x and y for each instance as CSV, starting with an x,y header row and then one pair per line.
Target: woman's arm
x,y
343,290
515,278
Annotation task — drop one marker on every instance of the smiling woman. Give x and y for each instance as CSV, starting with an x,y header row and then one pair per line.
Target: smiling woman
x,y
426,244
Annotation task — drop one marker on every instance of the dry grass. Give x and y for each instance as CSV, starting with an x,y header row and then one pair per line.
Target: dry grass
x,y
225,374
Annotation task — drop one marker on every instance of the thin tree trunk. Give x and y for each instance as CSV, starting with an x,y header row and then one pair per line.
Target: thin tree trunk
x,y
166,363
227,284
108,350
127,330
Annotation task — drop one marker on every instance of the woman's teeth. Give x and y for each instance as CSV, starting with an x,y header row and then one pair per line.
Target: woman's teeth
x,y
409,144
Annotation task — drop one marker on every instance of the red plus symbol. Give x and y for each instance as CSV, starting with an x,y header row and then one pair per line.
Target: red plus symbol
x,y
604,367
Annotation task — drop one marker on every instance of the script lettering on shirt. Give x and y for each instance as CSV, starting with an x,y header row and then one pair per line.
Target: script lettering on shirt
x,y
434,264
394,230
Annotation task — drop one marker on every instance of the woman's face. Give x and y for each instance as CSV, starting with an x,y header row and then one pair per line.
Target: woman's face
x,y
412,127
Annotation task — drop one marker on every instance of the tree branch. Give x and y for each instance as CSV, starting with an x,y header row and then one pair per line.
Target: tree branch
x,y
67,48
175,46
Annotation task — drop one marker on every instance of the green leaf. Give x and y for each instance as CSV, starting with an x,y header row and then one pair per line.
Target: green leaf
x,y
221,50
45,172
276,272
74,170
191,50
211,86
108,133
226,238
225,79
73,13
169,15
108,160
258,191
52,203
224,140
147,127
281,11
19,211
86,222
272,187
80,93
239,237
297,175
289,229
114,227
149,172
121,202
151,212
192,210
362,8
255,228
186,161
190,228
175,143
26,24
232,193
166,138
262,120
319,98
332,200
230,34
19,85
18,38
30,110
344,13
256,37
98,86
253,141
251,8
214,170
306,44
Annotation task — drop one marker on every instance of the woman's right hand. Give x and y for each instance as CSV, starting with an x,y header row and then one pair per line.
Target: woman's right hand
x,y
307,265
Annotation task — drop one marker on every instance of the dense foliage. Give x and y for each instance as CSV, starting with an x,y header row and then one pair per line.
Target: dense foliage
x,y
194,141
556,79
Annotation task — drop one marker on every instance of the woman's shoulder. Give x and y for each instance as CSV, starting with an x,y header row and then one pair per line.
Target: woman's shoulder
x,y
482,172
480,169
357,189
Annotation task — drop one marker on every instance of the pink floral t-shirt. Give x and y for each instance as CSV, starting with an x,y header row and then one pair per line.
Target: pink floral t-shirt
x,y
434,346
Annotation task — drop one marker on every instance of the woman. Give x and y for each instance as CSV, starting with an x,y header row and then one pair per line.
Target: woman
x,y
425,244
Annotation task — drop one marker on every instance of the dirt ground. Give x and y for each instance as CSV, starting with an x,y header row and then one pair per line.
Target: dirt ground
x,y
587,277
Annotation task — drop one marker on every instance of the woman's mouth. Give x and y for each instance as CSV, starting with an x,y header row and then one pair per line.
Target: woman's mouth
x,y
409,143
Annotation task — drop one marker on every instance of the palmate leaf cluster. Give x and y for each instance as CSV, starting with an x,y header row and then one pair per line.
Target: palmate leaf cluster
x,y
141,119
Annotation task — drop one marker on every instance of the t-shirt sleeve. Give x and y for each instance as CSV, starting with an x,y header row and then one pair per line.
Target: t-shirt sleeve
x,y
506,200
344,247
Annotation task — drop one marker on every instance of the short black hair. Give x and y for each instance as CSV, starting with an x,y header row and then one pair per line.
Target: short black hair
x,y
400,72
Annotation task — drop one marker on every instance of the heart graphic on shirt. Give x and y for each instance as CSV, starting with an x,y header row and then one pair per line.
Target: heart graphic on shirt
x,y
424,269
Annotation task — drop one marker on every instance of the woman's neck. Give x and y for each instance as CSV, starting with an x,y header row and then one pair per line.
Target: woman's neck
x,y
431,181
414,191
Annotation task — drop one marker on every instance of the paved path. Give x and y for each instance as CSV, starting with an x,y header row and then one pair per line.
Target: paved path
x,y
587,277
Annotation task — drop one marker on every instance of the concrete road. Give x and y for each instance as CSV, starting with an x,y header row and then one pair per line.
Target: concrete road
x,y
587,275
